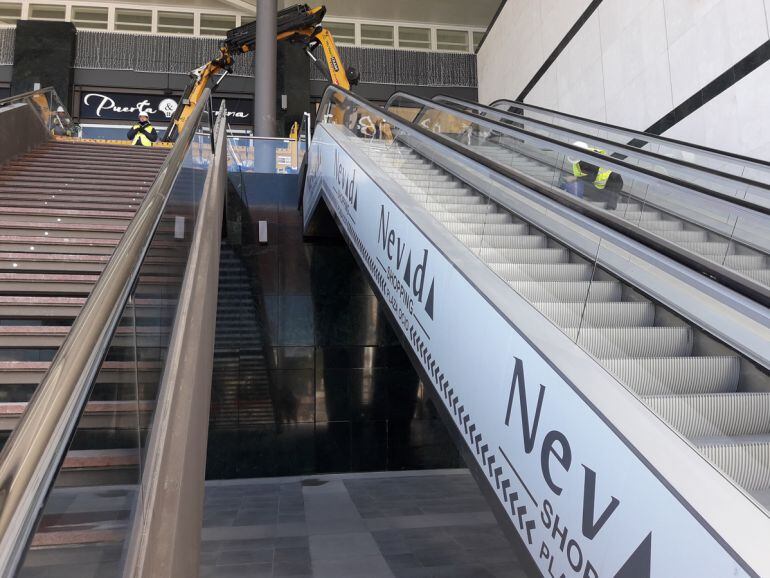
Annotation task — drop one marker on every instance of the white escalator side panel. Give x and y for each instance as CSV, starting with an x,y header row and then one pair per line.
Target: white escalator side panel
x,y
584,502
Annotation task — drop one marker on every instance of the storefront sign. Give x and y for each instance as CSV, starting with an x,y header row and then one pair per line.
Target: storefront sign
x,y
126,107
584,504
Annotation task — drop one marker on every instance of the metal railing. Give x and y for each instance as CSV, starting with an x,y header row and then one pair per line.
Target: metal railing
x,y
166,530
35,450
49,109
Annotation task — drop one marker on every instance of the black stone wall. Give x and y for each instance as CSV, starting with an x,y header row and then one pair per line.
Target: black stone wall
x,y
309,376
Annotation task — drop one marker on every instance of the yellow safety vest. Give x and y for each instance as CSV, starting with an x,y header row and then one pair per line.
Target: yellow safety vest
x,y
602,175
141,138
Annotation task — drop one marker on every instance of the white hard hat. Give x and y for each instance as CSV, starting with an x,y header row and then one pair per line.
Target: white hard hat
x,y
60,109
580,144
142,113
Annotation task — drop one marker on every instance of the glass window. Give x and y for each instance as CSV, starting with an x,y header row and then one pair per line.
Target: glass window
x,y
343,32
452,40
176,22
136,20
216,24
46,12
376,35
477,36
9,13
90,17
409,37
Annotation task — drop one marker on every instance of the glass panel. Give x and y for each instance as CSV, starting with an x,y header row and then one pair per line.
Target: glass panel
x,y
9,13
84,526
216,24
452,40
413,37
343,32
136,20
46,12
90,17
376,35
477,37
176,22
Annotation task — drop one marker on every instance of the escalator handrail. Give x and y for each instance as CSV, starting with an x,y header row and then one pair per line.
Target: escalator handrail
x,y
738,283
37,446
24,95
175,461
756,163
601,160
633,151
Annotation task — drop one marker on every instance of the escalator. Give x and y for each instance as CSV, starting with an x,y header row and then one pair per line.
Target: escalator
x,y
615,403
713,216
708,158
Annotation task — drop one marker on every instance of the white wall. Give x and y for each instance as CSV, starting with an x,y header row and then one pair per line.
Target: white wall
x,y
634,61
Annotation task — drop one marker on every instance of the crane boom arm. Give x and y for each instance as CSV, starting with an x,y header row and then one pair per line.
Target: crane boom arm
x,y
298,24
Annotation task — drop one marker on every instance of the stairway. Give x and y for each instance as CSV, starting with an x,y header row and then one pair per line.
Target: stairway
x,y
706,391
63,210
241,387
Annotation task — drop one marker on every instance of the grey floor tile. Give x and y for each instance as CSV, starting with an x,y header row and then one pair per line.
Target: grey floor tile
x,y
343,546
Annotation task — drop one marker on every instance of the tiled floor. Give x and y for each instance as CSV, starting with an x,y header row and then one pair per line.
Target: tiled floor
x,y
406,524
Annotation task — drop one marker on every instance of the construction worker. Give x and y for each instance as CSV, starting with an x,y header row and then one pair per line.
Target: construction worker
x,y
143,134
594,182
62,124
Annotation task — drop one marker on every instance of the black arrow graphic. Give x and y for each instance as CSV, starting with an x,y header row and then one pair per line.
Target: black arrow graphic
x,y
638,564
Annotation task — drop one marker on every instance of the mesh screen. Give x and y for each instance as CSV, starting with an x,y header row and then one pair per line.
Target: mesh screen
x,y
148,53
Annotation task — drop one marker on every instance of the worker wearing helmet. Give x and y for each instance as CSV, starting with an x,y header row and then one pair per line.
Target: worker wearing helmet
x,y
143,134
61,123
603,184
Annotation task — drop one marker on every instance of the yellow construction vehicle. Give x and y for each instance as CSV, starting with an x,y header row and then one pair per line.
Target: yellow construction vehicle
x,y
298,24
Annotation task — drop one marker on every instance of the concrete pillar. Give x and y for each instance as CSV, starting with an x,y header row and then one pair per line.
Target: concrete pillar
x,y
265,65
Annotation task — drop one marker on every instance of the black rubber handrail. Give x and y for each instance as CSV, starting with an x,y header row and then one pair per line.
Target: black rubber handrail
x,y
726,277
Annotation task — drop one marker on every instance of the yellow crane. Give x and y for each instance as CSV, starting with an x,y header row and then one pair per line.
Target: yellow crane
x,y
298,24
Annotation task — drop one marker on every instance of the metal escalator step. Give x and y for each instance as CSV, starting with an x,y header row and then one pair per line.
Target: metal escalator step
x,y
637,216
711,249
662,225
465,199
618,314
503,259
677,375
504,241
438,189
613,342
438,207
570,291
714,414
453,217
745,459
745,262
488,228
544,271
684,236
761,275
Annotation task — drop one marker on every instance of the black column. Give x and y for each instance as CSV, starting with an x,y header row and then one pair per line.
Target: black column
x,y
44,53
294,82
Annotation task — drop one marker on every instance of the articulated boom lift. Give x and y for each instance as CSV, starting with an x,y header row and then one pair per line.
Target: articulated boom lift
x,y
298,24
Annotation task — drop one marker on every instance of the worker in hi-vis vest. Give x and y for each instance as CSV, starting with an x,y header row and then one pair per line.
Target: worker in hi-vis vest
x,y
594,182
143,134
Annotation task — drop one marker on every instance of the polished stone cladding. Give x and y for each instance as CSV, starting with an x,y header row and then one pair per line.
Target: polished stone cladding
x,y
309,377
